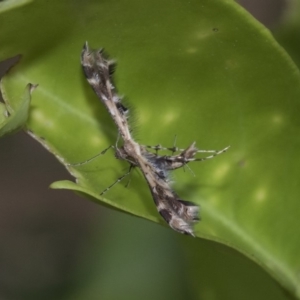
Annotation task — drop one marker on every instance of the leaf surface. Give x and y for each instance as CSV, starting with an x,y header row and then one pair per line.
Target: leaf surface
x,y
205,71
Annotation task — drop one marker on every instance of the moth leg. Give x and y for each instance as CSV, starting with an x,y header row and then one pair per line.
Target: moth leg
x,y
160,147
175,149
186,166
213,151
210,156
129,180
118,180
92,158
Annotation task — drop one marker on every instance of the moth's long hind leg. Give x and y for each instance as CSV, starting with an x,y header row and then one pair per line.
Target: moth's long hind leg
x,y
215,153
90,159
118,180
160,147
186,160
175,149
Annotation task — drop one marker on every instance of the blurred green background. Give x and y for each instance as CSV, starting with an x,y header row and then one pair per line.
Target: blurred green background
x,y
55,245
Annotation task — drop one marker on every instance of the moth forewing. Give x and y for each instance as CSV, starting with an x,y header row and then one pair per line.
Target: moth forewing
x,y
98,71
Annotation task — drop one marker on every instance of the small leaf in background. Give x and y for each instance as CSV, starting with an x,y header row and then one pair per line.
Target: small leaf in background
x,y
18,116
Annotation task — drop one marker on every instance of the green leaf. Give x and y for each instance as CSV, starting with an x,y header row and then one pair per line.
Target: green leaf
x,y
69,185
18,116
201,70
6,5
288,33
3,113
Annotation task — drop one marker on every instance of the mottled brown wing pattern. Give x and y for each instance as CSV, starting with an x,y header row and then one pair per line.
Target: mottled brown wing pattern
x,y
98,71
179,214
